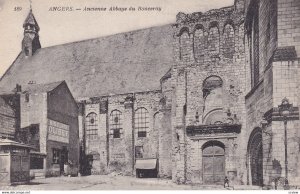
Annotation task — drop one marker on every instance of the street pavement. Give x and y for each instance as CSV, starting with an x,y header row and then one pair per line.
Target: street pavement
x,y
109,182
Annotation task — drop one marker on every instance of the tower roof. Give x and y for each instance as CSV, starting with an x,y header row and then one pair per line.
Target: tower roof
x,y
31,20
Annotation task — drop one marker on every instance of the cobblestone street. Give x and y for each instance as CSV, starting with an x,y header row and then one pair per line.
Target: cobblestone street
x,y
106,182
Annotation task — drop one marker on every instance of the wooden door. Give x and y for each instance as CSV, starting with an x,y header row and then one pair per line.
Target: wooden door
x,y
213,164
257,166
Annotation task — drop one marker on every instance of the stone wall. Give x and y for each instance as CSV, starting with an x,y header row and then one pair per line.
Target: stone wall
x,y
208,45
286,84
34,111
278,69
97,145
119,154
288,23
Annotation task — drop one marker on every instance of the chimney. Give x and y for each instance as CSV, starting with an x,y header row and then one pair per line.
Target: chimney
x,y
18,88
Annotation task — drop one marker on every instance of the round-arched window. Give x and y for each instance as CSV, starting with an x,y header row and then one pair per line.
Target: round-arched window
x,y
91,125
116,123
141,121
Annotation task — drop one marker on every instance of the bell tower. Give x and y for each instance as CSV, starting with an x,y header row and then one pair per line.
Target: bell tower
x,y
31,41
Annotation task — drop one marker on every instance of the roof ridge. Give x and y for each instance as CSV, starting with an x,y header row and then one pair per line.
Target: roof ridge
x,y
109,35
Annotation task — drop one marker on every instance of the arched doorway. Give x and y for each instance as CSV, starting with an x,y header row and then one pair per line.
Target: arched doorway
x,y
255,157
213,155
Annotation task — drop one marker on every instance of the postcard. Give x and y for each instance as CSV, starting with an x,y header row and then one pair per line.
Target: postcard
x,y
149,95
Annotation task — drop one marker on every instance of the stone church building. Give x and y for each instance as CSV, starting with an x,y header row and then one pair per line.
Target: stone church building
x,y
194,101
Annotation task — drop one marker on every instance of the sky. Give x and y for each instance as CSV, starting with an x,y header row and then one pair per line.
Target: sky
x,y
59,27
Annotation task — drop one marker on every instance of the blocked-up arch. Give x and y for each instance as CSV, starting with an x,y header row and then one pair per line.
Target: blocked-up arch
x,y
184,30
216,116
228,22
199,43
228,46
214,39
212,93
184,41
213,24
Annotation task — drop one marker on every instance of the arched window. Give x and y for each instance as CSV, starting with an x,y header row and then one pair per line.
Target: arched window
x,y
212,93
214,39
91,124
200,43
228,47
184,45
253,34
211,83
116,123
141,122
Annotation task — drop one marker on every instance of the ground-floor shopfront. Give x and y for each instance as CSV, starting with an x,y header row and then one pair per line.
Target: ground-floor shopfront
x,y
62,153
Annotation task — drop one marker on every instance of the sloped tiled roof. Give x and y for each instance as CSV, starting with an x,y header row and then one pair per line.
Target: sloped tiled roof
x,y
127,62
41,88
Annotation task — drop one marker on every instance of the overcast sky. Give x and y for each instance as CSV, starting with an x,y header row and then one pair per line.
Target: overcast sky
x,y
58,27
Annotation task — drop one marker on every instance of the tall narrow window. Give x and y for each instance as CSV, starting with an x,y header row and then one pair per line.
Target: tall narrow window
x,y
254,43
213,39
228,47
91,126
141,122
200,43
116,123
184,45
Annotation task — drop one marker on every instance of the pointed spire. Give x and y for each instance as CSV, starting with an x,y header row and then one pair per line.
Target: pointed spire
x,y
30,42
30,20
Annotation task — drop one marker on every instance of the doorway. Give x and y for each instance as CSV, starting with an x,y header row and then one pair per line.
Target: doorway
x,y
255,157
213,155
63,160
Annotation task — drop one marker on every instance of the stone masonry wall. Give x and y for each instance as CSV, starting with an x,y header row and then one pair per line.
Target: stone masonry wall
x,y
34,111
208,44
278,27
118,154
97,145
286,84
121,149
165,128
288,24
